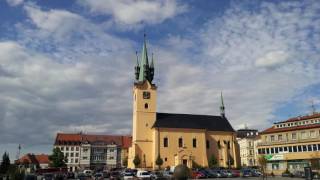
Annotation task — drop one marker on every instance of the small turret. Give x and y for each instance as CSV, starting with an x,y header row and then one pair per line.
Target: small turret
x,y
222,109
151,68
137,68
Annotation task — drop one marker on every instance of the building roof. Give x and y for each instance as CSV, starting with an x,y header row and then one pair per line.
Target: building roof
x,y
33,159
273,129
73,139
191,121
299,118
293,128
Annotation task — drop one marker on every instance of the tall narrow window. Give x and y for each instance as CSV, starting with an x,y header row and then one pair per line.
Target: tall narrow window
x,y
208,144
194,142
165,142
146,106
180,142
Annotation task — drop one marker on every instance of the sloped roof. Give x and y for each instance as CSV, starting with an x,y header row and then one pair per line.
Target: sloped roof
x,y
33,159
124,141
293,128
191,121
299,118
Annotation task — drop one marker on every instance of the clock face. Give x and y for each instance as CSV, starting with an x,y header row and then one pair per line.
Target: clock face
x,y
146,95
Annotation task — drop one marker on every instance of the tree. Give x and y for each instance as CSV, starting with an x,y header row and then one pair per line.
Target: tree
x,y
57,159
213,161
5,164
262,162
159,161
136,161
125,162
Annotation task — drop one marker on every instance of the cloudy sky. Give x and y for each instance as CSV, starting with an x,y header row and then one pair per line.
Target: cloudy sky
x,y
67,66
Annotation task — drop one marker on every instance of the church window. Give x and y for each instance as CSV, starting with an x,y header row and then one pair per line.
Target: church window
x,y
165,159
180,142
165,142
146,105
208,144
194,142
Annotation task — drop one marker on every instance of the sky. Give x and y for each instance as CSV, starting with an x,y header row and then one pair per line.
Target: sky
x,y
68,66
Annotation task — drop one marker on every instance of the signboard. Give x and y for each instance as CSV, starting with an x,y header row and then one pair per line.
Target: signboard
x,y
274,157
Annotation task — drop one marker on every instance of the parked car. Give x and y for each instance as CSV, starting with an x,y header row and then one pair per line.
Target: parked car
x,y
227,173
235,173
115,175
70,175
168,174
198,175
48,176
256,173
98,176
143,175
157,175
128,175
88,172
29,177
83,176
215,173
246,173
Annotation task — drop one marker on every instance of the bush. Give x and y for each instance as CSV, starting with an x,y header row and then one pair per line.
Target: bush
x,y
181,172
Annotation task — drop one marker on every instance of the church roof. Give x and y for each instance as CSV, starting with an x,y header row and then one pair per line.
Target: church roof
x,y
191,121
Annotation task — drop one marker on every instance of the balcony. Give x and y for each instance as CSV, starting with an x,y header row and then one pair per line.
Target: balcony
x,y
290,141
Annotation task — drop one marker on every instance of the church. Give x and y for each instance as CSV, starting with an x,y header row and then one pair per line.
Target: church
x,y
177,138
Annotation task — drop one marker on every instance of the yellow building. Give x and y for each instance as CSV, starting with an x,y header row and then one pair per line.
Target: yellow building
x,y
292,144
178,138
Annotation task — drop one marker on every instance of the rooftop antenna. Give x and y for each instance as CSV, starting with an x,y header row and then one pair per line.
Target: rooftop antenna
x,y
18,152
313,107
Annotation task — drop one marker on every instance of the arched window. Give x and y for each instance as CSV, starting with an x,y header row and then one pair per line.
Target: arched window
x,y
146,105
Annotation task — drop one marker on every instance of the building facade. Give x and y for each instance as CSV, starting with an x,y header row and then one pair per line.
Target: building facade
x,y
177,138
292,144
247,140
85,151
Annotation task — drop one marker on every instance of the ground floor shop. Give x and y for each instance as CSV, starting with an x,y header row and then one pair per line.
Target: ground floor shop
x,y
279,166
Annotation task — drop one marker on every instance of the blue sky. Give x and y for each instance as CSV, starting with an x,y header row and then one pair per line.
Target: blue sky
x,y
67,66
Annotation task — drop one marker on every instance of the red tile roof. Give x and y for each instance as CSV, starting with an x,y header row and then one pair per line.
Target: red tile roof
x,y
33,159
293,128
317,115
273,129
124,141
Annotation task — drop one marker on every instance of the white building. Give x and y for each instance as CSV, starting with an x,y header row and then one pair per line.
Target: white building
x,y
85,151
247,140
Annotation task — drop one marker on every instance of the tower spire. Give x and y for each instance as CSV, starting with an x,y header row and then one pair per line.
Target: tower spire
x,y
145,71
222,108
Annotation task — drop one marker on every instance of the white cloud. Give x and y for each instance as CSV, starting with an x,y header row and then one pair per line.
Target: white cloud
x,y
58,22
14,2
130,12
273,58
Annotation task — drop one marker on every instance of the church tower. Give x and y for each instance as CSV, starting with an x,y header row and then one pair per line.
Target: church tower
x,y
144,110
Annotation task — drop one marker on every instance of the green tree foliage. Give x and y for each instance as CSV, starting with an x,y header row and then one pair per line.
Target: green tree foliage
x,y
15,173
213,161
125,162
57,159
136,161
196,165
5,164
159,161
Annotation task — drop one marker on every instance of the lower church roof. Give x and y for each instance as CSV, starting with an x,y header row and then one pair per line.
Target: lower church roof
x,y
191,121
